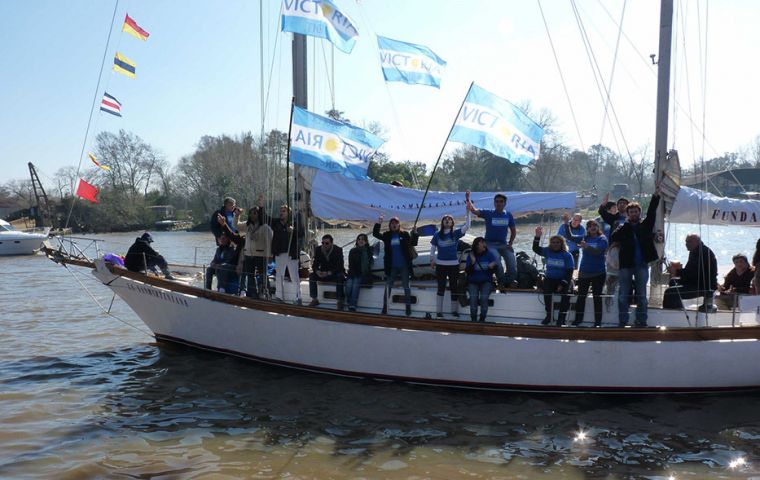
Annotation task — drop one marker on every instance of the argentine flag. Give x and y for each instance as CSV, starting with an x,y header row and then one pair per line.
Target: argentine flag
x,y
326,144
492,123
319,18
409,63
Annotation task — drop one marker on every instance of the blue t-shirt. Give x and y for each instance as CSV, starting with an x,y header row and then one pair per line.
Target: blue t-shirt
x,y
447,244
594,262
557,263
497,225
230,218
397,257
480,272
574,232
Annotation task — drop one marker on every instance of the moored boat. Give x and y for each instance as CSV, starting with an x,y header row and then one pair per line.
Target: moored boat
x,y
20,242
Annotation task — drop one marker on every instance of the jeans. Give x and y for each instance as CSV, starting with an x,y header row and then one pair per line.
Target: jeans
x,y
283,261
353,287
596,283
338,278
638,276
227,278
479,293
402,272
502,250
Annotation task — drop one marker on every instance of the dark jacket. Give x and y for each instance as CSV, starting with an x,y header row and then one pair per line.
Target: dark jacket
x,y
625,236
282,240
140,254
333,263
701,270
613,221
407,240
355,262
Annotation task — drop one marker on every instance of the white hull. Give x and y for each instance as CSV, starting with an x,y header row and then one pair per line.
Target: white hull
x,y
474,358
20,243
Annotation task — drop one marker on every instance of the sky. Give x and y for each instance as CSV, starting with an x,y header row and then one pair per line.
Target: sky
x,y
200,73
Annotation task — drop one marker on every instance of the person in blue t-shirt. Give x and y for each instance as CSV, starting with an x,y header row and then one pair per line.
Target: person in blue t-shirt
x,y
398,257
444,257
481,264
498,222
592,271
572,229
558,275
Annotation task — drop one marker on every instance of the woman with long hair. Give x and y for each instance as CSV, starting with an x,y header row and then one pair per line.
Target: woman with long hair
x,y
444,257
592,271
359,270
481,267
256,253
558,276
398,257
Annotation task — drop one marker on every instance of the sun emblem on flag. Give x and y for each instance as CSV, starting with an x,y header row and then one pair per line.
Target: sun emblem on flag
x,y
331,145
326,10
416,62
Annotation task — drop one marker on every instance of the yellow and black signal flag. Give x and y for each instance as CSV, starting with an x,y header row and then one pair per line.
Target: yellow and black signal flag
x,y
132,28
124,65
95,161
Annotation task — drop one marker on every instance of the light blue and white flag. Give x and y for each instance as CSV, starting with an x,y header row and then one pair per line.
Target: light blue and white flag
x,y
319,18
326,144
492,123
410,63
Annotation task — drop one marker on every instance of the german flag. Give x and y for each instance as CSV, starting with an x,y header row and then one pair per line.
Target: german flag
x,y
132,28
124,65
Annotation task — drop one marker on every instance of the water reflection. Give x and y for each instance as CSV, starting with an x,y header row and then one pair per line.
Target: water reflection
x,y
170,410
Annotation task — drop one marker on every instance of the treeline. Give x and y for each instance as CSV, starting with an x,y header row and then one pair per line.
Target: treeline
x,y
246,165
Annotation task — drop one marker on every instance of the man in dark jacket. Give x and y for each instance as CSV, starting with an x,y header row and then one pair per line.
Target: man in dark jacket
x,y
699,278
637,250
327,266
141,257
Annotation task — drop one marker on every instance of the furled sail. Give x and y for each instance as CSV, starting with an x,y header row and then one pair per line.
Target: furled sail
x,y
671,180
335,197
697,206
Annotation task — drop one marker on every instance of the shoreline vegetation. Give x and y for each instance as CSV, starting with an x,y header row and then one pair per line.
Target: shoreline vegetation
x,y
141,187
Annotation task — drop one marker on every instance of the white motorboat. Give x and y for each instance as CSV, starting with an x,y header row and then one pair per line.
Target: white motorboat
x,y
21,242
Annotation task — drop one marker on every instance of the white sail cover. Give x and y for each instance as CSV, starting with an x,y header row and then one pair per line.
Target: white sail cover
x,y
697,206
335,197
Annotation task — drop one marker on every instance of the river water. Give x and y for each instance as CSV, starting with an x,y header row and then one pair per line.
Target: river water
x,y
86,395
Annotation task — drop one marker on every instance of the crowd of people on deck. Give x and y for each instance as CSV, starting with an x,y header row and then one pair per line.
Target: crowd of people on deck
x,y
609,256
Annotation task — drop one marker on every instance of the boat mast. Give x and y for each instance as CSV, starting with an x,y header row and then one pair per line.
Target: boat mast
x,y
661,134
300,99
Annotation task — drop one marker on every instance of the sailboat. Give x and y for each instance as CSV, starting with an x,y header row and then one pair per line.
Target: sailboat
x,y
686,351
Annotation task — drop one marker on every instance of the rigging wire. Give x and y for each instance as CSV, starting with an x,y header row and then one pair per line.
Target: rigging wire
x,y
92,106
600,84
106,311
561,76
653,72
612,72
